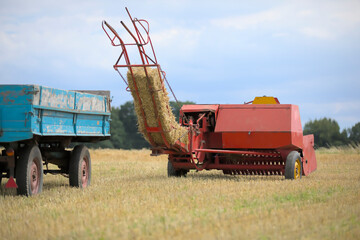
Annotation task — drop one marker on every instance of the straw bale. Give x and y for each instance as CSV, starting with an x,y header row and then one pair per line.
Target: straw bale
x,y
154,86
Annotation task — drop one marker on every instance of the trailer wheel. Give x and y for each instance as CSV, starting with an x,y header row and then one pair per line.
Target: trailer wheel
x,y
80,167
172,172
293,166
29,172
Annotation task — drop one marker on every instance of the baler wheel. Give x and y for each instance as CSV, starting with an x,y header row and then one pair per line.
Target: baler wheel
x,y
293,166
172,172
29,172
80,167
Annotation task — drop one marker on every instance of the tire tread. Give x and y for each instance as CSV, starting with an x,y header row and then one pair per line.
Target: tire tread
x,y
22,171
290,164
74,165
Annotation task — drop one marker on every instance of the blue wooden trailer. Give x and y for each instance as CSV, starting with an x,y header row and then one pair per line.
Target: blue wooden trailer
x,y
37,125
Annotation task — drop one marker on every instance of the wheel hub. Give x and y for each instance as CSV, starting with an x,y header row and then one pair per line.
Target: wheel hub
x,y
84,173
297,170
34,178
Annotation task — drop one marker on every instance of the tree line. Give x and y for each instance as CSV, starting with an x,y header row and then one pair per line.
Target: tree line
x,y
327,133
125,135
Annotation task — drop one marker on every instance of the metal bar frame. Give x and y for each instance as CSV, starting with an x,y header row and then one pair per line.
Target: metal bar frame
x,y
146,60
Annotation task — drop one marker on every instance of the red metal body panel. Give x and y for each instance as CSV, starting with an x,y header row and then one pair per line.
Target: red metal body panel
x,y
309,159
260,126
213,140
200,108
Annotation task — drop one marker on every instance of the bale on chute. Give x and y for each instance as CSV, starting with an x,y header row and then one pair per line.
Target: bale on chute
x,y
152,85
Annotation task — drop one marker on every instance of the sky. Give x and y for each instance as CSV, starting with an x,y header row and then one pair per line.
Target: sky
x,y
302,52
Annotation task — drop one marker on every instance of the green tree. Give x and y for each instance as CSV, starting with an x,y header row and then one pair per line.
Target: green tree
x,y
132,137
117,129
354,133
326,132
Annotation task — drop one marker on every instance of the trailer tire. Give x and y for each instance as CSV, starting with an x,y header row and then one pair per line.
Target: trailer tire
x,y
80,167
29,172
293,166
172,172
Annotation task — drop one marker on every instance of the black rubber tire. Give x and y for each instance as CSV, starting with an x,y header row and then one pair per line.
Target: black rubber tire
x,y
29,170
79,155
290,168
172,172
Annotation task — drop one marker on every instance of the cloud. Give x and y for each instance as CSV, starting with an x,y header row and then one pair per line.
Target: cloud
x,y
346,113
303,52
316,33
329,21
183,41
248,21
74,38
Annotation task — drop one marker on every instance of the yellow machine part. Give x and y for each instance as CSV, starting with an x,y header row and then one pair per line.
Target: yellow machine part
x,y
265,100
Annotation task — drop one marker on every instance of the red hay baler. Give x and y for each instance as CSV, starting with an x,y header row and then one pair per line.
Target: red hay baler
x,y
262,137
248,139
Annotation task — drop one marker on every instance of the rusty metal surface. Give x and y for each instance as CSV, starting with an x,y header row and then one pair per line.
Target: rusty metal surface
x,y
29,110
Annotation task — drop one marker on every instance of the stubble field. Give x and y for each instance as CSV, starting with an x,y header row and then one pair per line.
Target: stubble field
x,y
131,197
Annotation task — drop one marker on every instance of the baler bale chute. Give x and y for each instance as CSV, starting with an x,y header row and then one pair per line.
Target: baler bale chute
x,y
262,137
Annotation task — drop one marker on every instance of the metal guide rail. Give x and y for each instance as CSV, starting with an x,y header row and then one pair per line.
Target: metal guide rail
x,y
144,46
